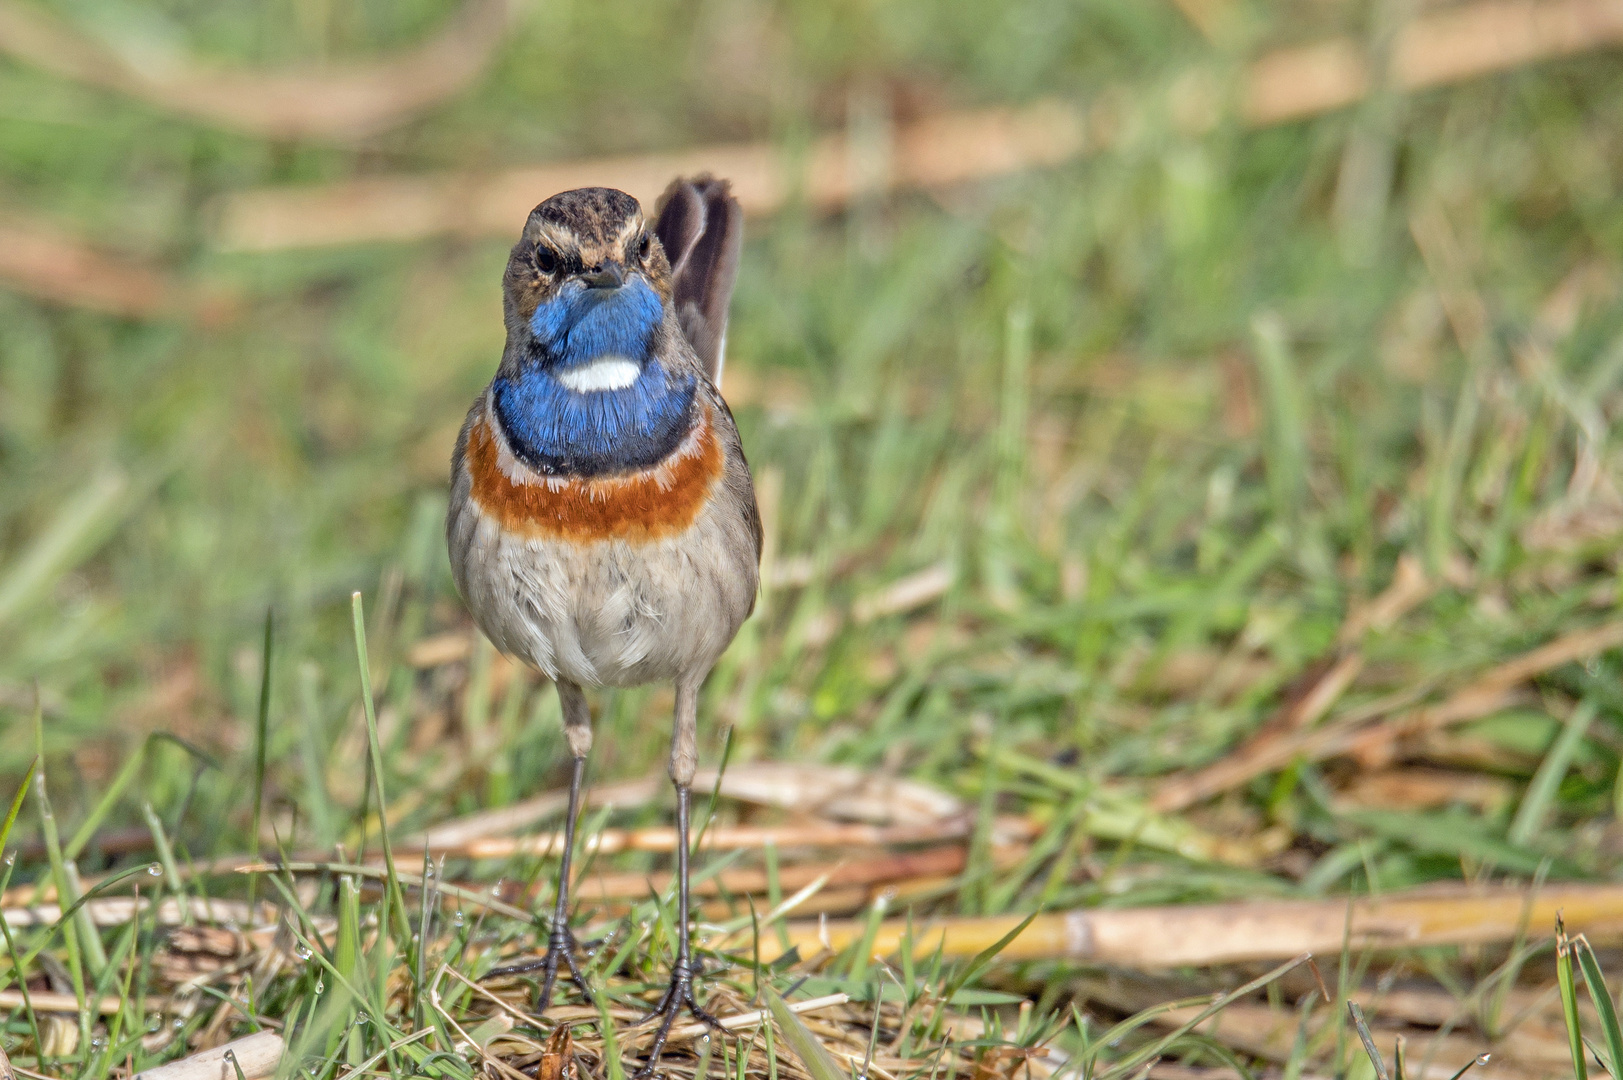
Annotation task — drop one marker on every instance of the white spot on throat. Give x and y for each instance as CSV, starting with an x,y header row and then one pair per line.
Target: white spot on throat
x,y
604,373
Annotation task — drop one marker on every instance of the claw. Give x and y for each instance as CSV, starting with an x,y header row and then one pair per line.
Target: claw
x,y
678,996
561,949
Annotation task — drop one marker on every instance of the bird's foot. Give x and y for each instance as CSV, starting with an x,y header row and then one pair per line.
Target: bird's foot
x,y
561,949
678,996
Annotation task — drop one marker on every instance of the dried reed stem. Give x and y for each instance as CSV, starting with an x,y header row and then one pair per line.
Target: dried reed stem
x,y
1175,936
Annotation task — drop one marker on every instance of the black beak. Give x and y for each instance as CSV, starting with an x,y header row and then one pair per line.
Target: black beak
x,y
609,275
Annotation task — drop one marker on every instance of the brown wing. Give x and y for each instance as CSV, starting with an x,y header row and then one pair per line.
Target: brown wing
x,y
701,227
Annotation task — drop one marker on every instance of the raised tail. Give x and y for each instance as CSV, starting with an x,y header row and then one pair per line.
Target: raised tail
x,y
701,227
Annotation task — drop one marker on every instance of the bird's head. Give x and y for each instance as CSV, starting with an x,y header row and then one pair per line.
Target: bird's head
x,y
587,284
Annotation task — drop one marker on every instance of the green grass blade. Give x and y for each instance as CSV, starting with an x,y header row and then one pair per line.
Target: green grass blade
x,y
985,957
166,858
5,926
774,891
1297,1061
1480,1059
1368,1040
1542,788
17,803
1213,1006
612,1064
312,739
811,1052
771,1052
1569,1000
79,527
1446,471
862,952
118,962
90,933
1596,982
715,789
395,899
261,734
261,730
64,893
707,1048
1013,425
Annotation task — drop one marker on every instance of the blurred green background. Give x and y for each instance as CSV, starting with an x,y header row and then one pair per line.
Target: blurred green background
x,y
1157,419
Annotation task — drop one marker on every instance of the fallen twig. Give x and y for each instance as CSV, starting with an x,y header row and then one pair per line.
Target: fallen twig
x,y
901,866
118,910
1410,586
905,811
664,838
756,1016
475,826
338,103
899,597
1288,84
47,1001
1413,788
415,881
824,790
247,1058
1175,936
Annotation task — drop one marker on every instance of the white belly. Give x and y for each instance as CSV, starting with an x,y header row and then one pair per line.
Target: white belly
x,y
605,612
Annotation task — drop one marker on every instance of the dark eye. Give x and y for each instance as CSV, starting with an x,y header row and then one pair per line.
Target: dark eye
x,y
643,245
546,260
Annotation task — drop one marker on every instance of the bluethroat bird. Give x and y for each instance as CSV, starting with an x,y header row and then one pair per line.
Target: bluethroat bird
x,y
602,523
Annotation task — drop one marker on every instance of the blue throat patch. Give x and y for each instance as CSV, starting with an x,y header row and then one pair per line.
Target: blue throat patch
x,y
579,324
560,431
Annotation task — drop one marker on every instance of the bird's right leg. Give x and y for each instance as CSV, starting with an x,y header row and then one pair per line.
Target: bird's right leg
x,y
561,944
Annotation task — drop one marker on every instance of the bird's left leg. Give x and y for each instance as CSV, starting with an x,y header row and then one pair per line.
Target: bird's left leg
x,y
684,762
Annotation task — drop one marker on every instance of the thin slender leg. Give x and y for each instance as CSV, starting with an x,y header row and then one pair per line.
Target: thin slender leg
x,y
561,944
684,762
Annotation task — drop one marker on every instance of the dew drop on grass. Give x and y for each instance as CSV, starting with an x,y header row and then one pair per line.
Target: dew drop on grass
x,y
155,869
321,986
458,920
302,951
